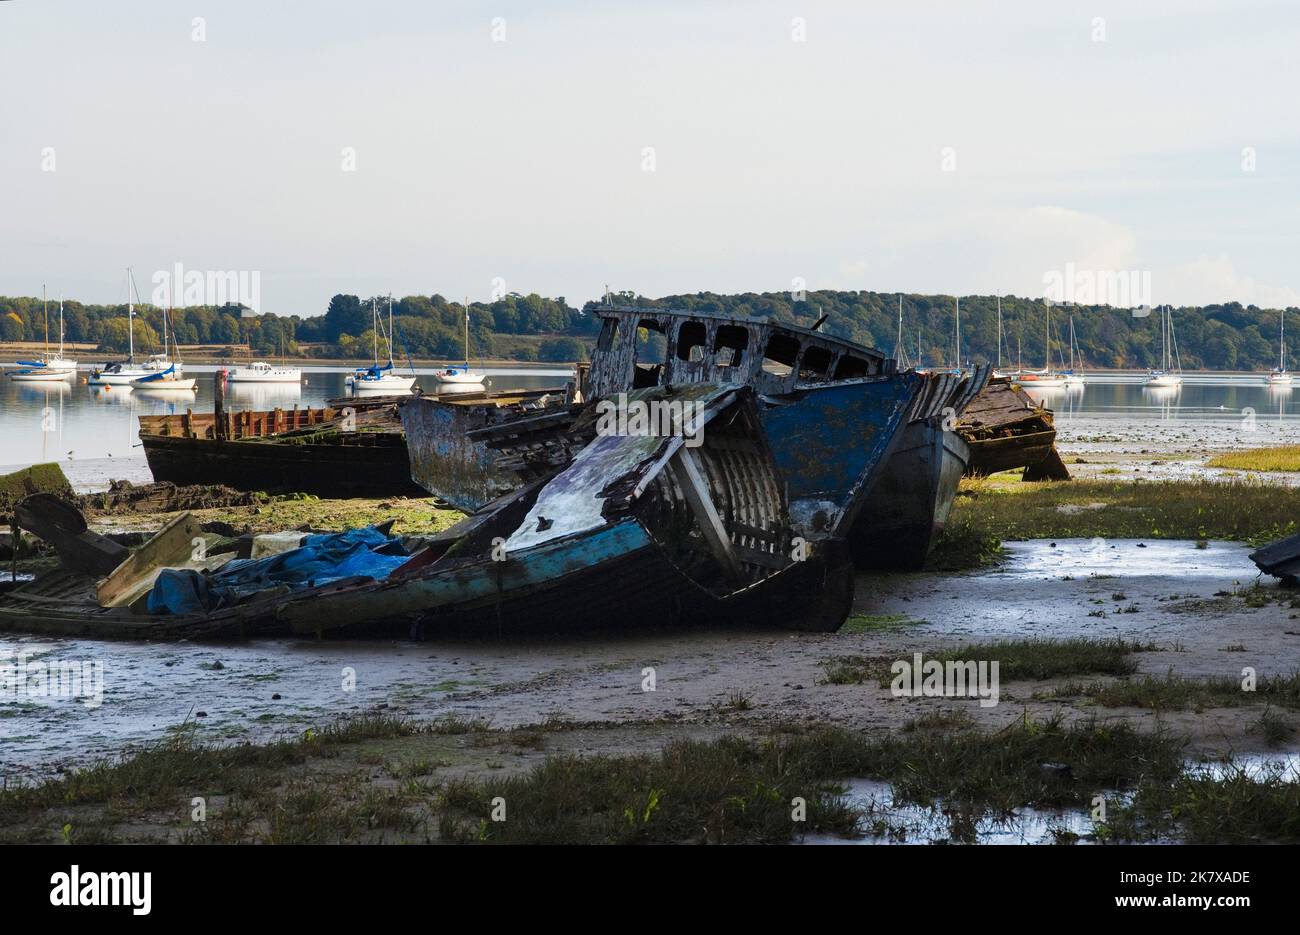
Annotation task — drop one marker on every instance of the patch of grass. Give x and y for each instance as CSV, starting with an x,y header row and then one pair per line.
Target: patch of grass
x,y
1238,808
734,790
1017,660
964,544
866,623
1173,692
1276,729
1242,511
1280,458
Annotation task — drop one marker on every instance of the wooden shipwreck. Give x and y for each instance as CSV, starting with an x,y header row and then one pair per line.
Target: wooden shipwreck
x,y
469,457
346,449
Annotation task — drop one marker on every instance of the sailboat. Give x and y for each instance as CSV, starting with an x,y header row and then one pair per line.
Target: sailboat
x,y
47,368
1280,376
461,376
170,378
1074,377
1165,376
1045,378
997,370
377,379
123,372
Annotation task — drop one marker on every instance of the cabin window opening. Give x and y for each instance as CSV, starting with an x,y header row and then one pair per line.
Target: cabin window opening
x,y
850,367
651,342
692,338
729,346
608,332
650,350
781,353
815,364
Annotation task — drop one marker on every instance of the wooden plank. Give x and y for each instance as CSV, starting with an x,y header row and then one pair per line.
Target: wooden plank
x,y
172,547
691,479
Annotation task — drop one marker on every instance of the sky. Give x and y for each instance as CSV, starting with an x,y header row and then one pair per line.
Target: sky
x,y
473,147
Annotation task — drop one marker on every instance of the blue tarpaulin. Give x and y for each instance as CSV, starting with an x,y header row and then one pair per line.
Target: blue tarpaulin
x,y
319,560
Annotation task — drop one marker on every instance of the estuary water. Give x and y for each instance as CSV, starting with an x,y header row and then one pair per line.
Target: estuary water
x,y
92,430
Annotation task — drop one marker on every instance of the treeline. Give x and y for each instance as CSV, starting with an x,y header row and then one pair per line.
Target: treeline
x,y
531,327
1209,337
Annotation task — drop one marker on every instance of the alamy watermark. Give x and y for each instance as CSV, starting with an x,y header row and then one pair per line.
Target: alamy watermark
x,y
1121,288
652,418
953,678
24,676
212,287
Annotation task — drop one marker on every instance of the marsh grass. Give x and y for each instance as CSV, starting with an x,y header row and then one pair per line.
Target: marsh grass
x,y
1244,511
1173,692
1017,660
1279,458
734,790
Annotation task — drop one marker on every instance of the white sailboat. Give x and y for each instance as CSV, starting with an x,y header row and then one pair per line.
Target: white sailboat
x,y
47,368
997,370
123,372
377,379
170,379
461,376
900,350
1170,373
1280,376
1072,376
1047,378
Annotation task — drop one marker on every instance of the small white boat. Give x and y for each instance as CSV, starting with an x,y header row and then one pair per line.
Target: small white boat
x,y
1043,380
40,372
1279,375
48,368
459,375
379,379
124,372
262,372
167,379
1160,378
1167,376
462,375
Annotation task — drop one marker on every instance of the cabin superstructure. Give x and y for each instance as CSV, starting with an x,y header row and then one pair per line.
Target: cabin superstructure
x,y
644,347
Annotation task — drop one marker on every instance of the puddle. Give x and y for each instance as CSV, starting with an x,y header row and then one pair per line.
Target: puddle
x,y
250,691
1127,558
1255,766
888,822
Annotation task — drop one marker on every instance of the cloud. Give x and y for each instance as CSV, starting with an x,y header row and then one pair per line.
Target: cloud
x,y
1215,279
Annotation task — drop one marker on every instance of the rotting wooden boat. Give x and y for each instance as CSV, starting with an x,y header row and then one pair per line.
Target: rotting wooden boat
x,y
357,450
688,527
1005,429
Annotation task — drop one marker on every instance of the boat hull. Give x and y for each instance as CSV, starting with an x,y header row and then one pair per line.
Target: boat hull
x,y
371,464
909,506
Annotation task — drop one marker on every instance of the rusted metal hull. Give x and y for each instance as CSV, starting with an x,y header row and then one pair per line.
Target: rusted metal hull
x,y
455,455
361,464
910,504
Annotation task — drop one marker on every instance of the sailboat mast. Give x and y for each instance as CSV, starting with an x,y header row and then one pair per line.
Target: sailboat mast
x,y
130,319
1281,341
999,332
60,326
390,328
1047,338
374,329
46,305
958,332
466,332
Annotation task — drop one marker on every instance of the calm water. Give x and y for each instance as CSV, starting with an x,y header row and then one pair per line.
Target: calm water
x,y
92,430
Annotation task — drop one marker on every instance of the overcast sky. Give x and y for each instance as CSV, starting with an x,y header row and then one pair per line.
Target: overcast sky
x,y
917,147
